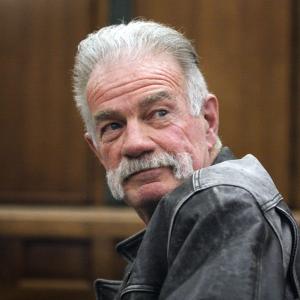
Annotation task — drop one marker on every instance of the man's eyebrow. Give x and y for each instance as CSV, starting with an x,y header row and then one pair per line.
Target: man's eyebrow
x,y
153,98
106,115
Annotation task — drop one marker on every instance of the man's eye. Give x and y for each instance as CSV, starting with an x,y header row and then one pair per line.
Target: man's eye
x,y
114,126
111,127
161,113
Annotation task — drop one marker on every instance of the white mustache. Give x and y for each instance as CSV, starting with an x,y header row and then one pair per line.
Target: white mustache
x,y
180,163
129,167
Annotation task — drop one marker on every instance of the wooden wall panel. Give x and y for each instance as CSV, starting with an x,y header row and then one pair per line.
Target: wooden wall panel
x,y
254,93
43,156
295,109
70,258
244,47
60,251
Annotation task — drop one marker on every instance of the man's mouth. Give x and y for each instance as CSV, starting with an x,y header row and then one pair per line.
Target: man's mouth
x,y
149,174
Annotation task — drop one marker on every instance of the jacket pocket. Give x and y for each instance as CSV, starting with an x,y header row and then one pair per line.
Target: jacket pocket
x,y
106,289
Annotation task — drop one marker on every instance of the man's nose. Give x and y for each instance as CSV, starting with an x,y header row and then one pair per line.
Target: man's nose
x,y
137,140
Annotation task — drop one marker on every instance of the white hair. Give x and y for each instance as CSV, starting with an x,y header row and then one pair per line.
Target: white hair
x,y
137,38
181,165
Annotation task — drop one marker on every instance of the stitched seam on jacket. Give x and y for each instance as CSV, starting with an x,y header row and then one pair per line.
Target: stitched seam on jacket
x,y
295,239
277,233
271,203
100,283
196,179
177,208
199,187
259,269
140,288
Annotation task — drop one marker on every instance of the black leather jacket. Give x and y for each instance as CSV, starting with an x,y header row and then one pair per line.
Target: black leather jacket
x,y
224,234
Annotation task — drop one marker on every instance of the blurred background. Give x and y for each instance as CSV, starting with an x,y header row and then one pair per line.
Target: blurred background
x,y
58,223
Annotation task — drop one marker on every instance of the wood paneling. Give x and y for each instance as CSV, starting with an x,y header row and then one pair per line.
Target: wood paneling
x,y
67,222
70,258
60,251
244,48
255,107
295,109
43,156
248,69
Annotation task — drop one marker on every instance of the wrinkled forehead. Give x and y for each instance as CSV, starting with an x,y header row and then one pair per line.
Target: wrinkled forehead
x,y
134,60
127,71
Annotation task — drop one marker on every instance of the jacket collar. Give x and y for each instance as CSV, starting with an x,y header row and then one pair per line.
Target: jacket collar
x,y
224,154
128,248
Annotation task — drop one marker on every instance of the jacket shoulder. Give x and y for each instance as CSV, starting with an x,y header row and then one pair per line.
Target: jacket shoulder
x,y
246,173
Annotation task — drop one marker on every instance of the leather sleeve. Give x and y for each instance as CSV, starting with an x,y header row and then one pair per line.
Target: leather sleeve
x,y
222,248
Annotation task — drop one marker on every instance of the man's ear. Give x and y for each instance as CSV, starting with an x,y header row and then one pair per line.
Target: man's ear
x,y
210,111
92,146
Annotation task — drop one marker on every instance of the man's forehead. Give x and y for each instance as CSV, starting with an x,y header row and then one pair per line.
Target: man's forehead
x,y
132,65
107,83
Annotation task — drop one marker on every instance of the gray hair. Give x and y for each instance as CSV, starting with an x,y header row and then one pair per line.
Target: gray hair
x,y
181,165
137,38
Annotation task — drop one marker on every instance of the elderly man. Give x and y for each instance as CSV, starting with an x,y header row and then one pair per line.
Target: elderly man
x,y
216,226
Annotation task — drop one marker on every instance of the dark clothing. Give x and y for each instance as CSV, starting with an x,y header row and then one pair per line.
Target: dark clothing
x,y
225,233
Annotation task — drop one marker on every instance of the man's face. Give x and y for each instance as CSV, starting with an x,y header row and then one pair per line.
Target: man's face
x,y
140,108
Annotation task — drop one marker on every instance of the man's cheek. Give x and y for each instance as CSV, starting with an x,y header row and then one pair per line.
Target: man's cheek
x,y
108,159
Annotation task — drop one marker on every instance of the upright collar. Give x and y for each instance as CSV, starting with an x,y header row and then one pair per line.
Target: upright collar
x,y
224,154
128,248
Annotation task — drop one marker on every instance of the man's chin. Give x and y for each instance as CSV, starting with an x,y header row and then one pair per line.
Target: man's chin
x,y
146,194
145,200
